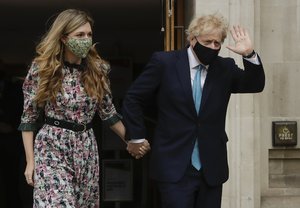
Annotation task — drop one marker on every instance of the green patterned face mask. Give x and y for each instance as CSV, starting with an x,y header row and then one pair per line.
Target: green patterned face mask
x,y
80,47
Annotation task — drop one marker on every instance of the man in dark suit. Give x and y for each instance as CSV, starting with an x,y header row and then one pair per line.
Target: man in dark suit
x,y
192,88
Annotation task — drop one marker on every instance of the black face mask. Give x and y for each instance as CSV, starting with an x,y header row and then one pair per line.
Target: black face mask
x,y
205,55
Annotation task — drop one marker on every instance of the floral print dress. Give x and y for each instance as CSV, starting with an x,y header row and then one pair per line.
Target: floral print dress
x,y
66,162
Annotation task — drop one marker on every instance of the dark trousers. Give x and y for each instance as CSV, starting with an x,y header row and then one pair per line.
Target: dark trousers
x,y
190,192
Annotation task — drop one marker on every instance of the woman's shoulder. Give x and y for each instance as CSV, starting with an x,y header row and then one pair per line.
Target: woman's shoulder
x,y
33,67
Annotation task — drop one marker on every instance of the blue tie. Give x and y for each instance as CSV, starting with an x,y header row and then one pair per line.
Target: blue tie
x,y
197,93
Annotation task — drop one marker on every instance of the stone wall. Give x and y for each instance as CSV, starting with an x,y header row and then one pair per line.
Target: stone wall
x,y
261,175
280,48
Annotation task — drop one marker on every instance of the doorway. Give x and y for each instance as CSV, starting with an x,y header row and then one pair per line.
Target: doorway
x,y
127,33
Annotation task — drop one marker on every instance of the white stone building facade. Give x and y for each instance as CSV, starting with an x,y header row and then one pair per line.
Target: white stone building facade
x,y
262,175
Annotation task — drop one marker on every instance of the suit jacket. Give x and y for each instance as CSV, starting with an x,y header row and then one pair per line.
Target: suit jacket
x,y
166,79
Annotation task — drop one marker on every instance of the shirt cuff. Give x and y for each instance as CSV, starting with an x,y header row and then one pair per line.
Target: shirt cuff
x,y
136,141
253,60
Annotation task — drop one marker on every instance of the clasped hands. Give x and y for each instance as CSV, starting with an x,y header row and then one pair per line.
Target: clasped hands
x,y
138,150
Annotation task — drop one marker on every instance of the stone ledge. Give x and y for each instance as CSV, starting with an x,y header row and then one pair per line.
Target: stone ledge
x,y
280,202
281,192
284,153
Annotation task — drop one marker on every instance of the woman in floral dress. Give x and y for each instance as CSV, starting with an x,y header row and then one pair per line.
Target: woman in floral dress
x,y
68,81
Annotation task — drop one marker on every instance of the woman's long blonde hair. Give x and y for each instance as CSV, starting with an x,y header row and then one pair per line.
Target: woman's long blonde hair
x,y
49,59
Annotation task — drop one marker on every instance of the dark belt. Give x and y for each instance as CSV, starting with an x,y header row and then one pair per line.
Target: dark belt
x,y
68,125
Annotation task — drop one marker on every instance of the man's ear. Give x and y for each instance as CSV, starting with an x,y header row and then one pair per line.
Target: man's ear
x,y
193,40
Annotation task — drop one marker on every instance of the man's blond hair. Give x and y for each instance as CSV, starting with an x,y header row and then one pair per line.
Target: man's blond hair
x,y
207,24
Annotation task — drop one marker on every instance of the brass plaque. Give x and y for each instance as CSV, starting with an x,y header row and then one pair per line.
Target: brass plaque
x,y
284,133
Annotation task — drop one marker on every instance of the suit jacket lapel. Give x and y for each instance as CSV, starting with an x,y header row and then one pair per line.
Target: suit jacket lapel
x,y
183,73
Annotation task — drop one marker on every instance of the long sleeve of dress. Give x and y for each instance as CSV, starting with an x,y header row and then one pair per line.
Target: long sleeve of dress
x,y
30,110
107,110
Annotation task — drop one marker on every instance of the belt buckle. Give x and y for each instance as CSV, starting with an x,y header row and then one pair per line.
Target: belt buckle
x,y
84,127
